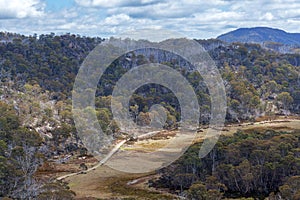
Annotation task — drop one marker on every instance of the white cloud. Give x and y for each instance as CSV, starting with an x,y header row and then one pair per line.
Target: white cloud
x,y
114,3
168,9
116,19
268,17
215,15
193,18
70,13
21,8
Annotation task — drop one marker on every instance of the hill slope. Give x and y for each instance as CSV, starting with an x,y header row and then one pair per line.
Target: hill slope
x,y
261,35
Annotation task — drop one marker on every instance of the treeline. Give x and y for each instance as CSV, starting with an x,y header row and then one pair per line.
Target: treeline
x,y
250,163
49,60
258,82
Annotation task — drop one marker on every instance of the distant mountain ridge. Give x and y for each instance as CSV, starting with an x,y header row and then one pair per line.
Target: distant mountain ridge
x,y
261,35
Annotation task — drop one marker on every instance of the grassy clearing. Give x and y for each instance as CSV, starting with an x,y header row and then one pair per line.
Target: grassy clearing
x,y
146,145
106,183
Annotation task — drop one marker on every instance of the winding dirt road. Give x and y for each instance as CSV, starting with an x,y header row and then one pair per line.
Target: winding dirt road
x,y
100,182
109,155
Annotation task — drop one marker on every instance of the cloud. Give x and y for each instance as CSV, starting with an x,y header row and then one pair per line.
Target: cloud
x,y
114,3
167,9
21,8
268,16
193,18
116,19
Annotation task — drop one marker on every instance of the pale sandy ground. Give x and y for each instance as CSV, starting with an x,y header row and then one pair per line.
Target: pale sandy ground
x,y
146,156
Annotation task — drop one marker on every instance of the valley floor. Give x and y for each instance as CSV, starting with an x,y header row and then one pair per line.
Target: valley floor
x,y
105,182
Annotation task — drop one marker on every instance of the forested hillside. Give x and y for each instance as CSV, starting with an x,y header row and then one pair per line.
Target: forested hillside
x,y
37,74
258,82
22,152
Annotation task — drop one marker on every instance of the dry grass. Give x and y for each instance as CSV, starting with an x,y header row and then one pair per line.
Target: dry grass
x,y
106,183
149,145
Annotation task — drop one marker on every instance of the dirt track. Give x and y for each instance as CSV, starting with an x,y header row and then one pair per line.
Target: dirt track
x,y
103,181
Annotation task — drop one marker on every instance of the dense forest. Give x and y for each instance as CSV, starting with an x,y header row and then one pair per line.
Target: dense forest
x,y
258,82
252,163
37,74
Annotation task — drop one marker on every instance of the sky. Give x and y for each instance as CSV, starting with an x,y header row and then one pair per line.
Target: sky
x,y
200,19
